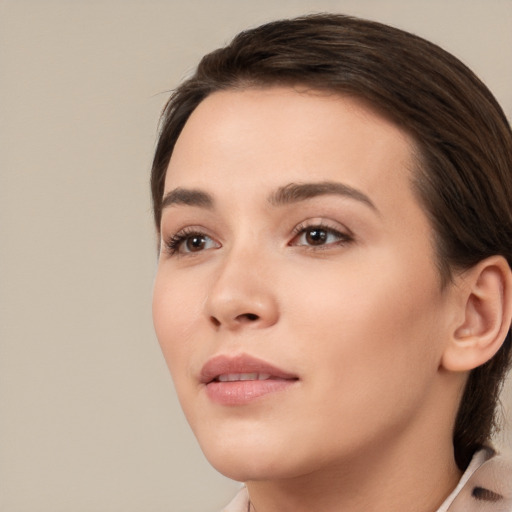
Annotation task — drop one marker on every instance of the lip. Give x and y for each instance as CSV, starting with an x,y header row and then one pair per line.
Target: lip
x,y
240,392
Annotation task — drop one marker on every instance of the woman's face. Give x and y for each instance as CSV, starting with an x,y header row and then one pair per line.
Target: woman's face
x,y
297,300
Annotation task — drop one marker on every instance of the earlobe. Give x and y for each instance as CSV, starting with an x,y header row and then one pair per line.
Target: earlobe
x,y
486,292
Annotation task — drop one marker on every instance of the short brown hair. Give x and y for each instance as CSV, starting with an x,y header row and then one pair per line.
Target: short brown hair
x,y
464,144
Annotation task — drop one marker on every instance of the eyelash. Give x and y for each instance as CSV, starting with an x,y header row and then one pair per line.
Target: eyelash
x,y
175,242
301,229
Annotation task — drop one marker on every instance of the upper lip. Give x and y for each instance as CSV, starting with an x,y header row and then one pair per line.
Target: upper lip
x,y
242,363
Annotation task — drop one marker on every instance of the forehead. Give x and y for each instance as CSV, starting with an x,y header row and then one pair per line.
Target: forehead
x,y
277,121
267,137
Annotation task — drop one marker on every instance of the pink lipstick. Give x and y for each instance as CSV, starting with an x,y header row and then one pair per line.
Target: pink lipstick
x,y
240,379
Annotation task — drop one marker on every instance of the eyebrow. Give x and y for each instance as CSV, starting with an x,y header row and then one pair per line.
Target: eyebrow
x,y
189,197
296,192
288,194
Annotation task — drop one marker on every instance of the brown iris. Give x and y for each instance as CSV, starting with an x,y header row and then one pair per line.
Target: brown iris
x,y
195,243
316,236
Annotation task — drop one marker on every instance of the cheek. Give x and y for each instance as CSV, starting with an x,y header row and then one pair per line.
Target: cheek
x,y
368,323
364,344
175,315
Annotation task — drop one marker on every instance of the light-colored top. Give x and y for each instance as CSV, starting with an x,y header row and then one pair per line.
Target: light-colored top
x,y
485,486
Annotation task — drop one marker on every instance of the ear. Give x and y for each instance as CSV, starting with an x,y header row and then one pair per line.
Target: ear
x,y
485,291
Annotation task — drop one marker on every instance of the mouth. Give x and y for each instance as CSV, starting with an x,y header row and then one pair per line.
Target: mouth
x,y
232,377
241,379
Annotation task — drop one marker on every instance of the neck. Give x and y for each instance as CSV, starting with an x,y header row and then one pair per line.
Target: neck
x,y
382,484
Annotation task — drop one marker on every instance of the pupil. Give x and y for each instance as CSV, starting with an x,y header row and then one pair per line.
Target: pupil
x,y
316,236
195,243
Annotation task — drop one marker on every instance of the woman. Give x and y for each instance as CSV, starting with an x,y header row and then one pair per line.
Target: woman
x,y
334,293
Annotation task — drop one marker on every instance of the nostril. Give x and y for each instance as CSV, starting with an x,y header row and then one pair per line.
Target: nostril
x,y
214,321
251,317
237,320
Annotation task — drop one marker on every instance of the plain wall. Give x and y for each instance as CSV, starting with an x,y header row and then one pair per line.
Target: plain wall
x,y
88,417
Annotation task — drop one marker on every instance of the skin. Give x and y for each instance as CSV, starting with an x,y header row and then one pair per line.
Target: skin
x,y
362,320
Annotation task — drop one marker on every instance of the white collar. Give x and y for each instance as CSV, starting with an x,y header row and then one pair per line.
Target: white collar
x,y
478,459
461,494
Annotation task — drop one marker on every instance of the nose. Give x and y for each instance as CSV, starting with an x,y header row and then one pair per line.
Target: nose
x,y
242,295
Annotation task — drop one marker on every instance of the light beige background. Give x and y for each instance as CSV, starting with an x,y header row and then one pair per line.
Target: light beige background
x,y
88,418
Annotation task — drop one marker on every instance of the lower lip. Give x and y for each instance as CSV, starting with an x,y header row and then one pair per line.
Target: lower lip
x,y
242,392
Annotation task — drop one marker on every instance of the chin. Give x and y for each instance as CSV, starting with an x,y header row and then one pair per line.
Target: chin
x,y
252,468
241,470
250,458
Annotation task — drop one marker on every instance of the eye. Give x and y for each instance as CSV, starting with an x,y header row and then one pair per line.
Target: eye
x,y
187,242
319,235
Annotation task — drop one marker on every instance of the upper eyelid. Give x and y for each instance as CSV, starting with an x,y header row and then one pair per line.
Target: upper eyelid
x,y
325,224
185,228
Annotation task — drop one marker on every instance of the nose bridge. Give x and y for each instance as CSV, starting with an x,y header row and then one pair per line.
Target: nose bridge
x,y
241,291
